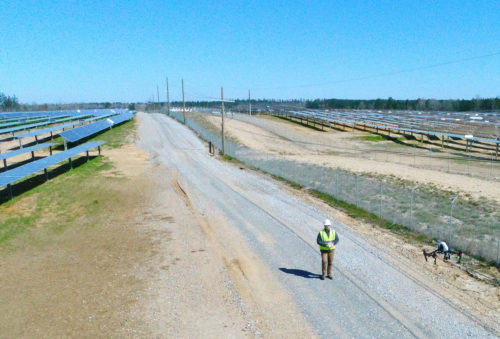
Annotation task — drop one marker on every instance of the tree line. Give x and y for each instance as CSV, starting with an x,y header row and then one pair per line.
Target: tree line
x,y
11,103
459,105
8,103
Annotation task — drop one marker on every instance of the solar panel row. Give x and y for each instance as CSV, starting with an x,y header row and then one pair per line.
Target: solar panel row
x,y
97,117
24,121
118,119
20,151
45,130
81,132
85,131
73,117
7,178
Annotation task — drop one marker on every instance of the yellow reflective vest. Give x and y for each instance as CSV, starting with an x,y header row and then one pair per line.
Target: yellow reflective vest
x,y
327,239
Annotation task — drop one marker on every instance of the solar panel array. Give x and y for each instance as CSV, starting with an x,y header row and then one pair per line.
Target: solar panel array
x,y
23,171
24,116
11,122
437,124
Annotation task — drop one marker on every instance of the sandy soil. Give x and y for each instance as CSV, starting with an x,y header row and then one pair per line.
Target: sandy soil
x,y
82,281
316,149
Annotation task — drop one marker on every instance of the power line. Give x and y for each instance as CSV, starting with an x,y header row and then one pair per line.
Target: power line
x,y
373,76
406,70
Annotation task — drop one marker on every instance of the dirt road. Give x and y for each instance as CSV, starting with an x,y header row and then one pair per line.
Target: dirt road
x,y
273,260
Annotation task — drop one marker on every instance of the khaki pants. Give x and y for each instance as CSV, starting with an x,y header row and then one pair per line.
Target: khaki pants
x,y
326,262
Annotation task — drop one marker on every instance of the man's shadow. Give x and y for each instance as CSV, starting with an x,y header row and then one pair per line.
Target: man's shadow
x,y
300,273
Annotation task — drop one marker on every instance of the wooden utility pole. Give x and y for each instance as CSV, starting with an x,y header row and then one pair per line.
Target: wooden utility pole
x,y
249,104
168,99
183,103
222,114
158,95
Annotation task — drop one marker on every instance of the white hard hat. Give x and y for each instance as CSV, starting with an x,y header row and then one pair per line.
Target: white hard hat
x,y
327,222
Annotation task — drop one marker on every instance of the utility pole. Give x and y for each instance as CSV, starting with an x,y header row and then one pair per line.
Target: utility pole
x,y
249,104
183,103
168,99
222,114
158,95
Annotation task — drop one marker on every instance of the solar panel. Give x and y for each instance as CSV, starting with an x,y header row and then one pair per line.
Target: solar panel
x,y
75,117
121,118
97,117
45,130
22,121
23,171
11,154
24,127
81,132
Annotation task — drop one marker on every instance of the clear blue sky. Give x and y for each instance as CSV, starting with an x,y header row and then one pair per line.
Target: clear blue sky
x,y
81,51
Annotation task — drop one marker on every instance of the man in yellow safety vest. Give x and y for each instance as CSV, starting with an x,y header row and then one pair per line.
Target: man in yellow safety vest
x,y
327,239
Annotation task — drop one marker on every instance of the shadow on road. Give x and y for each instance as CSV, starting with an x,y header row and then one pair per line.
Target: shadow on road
x,y
300,273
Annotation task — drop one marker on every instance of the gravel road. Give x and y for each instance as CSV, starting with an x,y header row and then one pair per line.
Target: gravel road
x,y
368,297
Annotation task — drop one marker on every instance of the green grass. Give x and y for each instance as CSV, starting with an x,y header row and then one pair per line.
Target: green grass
x,y
55,200
231,159
371,138
69,194
358,213
290,183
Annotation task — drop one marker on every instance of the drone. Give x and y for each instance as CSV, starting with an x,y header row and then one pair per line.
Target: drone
x,y
443,249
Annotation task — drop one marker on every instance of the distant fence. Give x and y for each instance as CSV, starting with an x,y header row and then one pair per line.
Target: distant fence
x,y
471,226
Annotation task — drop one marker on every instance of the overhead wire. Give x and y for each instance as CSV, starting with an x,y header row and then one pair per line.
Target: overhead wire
x,y
373,76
